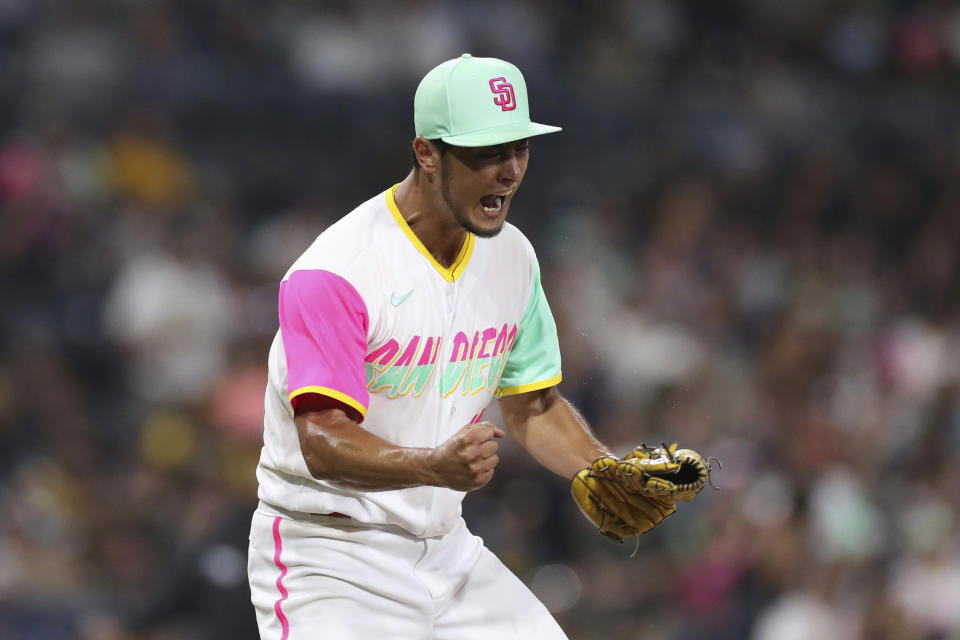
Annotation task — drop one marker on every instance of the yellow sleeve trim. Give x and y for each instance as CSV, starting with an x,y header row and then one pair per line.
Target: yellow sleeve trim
x,y
460,262
331,393
533,386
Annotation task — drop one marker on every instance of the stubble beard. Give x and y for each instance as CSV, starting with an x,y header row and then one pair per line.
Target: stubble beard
x,y
458,214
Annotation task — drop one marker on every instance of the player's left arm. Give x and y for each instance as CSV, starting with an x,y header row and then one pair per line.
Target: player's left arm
x,y
552,430
621,497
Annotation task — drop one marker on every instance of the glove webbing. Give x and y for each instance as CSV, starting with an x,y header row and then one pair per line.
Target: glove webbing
x,y
688,474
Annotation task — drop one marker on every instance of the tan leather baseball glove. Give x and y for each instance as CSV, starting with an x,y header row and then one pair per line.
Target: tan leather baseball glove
x,y
633,495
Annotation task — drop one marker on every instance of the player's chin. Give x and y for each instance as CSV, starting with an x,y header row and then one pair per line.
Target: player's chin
x,y
486,225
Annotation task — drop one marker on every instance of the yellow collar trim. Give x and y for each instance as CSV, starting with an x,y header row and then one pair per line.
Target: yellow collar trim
x,y
460,262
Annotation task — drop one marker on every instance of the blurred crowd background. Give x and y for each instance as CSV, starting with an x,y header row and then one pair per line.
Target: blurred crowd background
x,y
750,236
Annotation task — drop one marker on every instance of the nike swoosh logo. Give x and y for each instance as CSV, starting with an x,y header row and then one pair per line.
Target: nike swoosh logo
x,y
396,300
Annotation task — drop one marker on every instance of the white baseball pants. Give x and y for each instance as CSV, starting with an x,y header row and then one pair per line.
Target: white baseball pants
x,y
329,578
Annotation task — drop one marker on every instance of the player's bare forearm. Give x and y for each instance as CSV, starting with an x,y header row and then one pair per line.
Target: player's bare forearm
x,y
336,448
552,430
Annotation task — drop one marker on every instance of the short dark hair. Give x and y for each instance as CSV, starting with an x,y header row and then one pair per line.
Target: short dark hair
x,y
440,144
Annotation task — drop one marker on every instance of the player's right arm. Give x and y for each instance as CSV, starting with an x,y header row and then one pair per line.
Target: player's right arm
x,y
323,326
337,449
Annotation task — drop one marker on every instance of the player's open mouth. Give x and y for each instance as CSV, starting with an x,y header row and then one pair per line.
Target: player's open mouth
x,y
492,203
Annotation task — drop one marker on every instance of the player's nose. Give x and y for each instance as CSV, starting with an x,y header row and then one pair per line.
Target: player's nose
x,y
510,169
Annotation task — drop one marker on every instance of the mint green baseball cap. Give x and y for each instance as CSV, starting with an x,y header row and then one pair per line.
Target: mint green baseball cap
x,y
474,102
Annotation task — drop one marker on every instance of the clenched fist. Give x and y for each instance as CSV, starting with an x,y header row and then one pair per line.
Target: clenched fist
x,y
466,460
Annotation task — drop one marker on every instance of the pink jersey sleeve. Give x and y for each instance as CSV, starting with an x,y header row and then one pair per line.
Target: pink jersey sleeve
x,y
323,325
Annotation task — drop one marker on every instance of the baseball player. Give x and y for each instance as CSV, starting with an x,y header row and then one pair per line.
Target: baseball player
x,y
398,326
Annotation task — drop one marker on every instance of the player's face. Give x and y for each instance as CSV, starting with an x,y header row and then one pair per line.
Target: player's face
x,y
478,184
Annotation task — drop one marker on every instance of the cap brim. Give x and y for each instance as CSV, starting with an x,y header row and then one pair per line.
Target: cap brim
x,y
500,135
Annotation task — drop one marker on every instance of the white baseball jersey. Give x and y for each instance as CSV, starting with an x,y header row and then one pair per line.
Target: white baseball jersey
x,y
370,318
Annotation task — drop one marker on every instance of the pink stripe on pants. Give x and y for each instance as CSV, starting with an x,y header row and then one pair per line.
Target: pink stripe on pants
x,y
277,549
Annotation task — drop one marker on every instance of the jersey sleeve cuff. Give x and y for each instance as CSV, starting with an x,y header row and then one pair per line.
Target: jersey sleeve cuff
x,y
339,396
533,386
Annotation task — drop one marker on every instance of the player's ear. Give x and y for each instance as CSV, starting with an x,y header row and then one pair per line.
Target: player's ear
x,y
427,155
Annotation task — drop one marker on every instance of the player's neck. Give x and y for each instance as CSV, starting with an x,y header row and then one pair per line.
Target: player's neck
x,y
428,218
